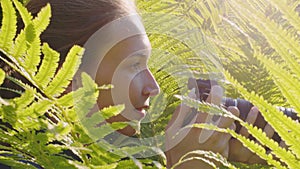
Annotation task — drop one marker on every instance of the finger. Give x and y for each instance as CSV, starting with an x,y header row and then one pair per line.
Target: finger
x,y
251,117
215,97
220,141
255,159
226,121
181,113
269,130
237,152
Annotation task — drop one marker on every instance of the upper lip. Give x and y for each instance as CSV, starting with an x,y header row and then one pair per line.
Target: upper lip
x,y
142,107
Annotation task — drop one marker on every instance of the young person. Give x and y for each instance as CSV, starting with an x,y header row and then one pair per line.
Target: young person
x,y
117,51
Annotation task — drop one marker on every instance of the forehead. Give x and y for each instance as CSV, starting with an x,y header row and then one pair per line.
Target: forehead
x,y
132,45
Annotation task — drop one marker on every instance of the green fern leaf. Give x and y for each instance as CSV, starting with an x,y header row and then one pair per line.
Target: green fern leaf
x,y
25,99
96,132
250,144
66,73
111,111
285,44
285,155
48,66
283,79
289,13
209,155
9,22
26,16
2,76
14,163
36,109
32,58
42,20
287,128
26,37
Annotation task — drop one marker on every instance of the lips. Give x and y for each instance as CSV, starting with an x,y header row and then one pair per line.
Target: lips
x,y
142,108
142,111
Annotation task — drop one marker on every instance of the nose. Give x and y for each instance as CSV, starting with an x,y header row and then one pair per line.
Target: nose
x,y
150,87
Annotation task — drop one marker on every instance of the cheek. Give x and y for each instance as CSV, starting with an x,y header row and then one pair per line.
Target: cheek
x,y
135,88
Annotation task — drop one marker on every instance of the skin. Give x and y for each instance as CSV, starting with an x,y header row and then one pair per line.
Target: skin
x,y
192,138
125,67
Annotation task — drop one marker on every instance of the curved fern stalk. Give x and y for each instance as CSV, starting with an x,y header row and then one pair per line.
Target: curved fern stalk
x,y
210,163
9,25
40,22
208,155
286,128
280,40
66,73
283,79
250,144
48,66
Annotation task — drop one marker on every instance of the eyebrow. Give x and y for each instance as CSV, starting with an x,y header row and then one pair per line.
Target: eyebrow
x,y
141,54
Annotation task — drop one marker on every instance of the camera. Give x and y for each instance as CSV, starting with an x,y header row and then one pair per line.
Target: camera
x,y
203,89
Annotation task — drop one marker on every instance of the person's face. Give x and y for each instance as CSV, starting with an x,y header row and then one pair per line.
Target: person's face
x,y
125,67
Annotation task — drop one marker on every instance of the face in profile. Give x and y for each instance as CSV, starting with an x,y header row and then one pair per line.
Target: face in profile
x,y
125,67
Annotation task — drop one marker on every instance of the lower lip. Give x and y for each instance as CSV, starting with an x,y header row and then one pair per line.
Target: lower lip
x,y
141,112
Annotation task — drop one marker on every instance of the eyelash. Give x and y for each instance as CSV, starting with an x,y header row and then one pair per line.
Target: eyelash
x,y
136,66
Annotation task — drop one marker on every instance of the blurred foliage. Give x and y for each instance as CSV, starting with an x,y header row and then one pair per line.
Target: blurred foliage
x,y
250,47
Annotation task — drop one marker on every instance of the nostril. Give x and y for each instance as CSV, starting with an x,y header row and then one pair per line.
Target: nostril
x,y
151,91
154,92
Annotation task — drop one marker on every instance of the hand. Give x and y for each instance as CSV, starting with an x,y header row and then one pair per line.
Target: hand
x,y
238,152
190,139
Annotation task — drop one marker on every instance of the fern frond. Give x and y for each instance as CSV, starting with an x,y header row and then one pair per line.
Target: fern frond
x,y
66,73
250,144
25,99
285,44
48,66
9,25
2,76
32,58
285,155
273,117
12,162
210,155
283,79
95,132
26,37
207,161
25,15
42,20
289,13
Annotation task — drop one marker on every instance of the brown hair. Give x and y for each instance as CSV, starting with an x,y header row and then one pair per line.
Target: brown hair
x,y
74,21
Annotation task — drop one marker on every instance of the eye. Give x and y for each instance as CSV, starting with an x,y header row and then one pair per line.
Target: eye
x,y
136,66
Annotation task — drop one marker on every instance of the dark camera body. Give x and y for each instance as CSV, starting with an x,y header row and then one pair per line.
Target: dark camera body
x,y
203,89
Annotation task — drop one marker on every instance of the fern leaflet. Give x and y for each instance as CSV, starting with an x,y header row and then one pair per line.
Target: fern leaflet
x,y
26,16
9,22
2,76
48,66
66,73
